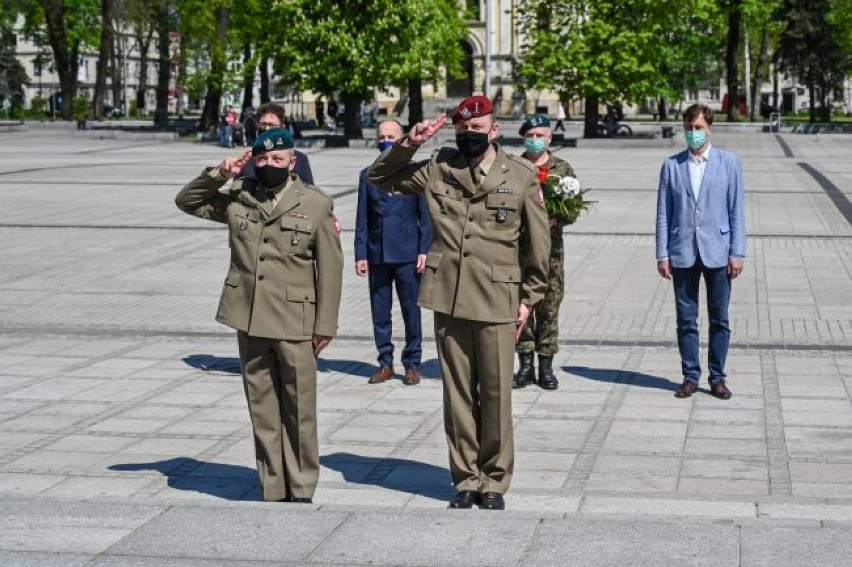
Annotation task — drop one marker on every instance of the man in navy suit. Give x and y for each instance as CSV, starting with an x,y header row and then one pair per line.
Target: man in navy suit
x,y
392,236
701,232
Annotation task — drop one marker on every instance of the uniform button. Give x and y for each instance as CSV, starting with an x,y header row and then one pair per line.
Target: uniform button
x,y
262,258
265,239
467,236
503,203
470,218
466,254
306,298
260,278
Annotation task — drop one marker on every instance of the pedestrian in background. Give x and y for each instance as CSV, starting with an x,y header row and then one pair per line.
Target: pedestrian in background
x,y
392,237
485,270
541,333
282,295
701,233
270,116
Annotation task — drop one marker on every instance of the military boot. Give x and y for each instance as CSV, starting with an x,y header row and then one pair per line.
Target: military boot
x,y
526,373
546,378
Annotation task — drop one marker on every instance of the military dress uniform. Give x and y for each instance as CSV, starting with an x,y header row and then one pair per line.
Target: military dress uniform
x,y
282,288
482,263
541,333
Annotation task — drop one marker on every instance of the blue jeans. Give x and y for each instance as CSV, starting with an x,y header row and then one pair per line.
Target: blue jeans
x,y
225,136
718,285
382,279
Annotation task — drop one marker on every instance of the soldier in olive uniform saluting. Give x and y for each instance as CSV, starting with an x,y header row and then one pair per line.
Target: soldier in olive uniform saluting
x,y
541,333
484,272
282,295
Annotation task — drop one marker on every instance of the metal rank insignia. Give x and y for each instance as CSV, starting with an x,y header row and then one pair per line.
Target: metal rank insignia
x,y
465,113
267,144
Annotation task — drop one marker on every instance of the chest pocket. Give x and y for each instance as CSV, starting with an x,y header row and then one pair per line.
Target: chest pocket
x,y
503,208
449,199
296,233
245,223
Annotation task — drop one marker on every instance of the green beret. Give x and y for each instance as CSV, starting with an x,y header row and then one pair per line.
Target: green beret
x,y
275,139
537,121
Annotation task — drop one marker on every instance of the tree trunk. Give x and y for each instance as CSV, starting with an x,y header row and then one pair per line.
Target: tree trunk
x,y
64,54
216,77
248,77
161,113
264,80
415,101
590,125
662,113
759,71
732,47
103,59
812,108
116,72
351,126
141,91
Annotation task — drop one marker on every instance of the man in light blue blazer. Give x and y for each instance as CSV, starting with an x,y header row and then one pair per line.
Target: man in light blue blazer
x,y
701,232
392,236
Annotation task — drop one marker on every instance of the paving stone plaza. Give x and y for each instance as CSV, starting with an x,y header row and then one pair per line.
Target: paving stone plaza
x,y
125,438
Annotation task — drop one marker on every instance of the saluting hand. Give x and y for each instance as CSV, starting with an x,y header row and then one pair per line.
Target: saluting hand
x,y
231,167
422,131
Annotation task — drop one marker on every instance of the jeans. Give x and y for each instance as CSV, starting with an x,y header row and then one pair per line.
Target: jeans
x,y
225,136
718,286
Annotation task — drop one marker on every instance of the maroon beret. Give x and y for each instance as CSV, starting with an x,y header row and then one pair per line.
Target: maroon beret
x,y
473,107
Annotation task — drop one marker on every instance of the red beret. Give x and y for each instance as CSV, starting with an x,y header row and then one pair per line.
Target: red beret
x,y
473,107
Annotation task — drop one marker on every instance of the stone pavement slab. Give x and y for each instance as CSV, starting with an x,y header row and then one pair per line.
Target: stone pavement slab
x,y
124,437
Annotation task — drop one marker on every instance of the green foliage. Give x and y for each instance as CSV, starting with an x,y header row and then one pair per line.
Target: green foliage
x,y
81,108
354,46
38,107
13,77
610,49
812,49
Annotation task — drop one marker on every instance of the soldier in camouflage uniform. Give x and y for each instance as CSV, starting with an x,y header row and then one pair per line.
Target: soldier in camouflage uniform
x,y
541,333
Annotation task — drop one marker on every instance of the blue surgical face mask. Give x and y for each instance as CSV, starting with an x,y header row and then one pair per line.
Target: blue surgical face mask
x,y
695,138
385,144
535,146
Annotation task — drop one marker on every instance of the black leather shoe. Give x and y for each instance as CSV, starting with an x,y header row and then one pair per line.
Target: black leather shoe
x,y
546,378
301,500
492,501
526,371
464,499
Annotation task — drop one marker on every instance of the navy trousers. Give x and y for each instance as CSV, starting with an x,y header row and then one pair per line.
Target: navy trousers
x,y
686,281
382,278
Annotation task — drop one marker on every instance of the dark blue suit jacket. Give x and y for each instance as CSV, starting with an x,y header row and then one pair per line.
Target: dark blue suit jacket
x,y
390,229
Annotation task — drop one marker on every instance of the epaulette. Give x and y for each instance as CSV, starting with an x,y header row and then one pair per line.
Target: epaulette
x,y
523,161
316,189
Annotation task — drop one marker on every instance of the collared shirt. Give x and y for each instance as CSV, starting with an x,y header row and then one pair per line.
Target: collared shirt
x,y
277,196
696,164
480,171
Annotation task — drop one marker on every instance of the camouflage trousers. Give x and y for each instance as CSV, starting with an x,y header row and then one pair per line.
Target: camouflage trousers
x,y
541,333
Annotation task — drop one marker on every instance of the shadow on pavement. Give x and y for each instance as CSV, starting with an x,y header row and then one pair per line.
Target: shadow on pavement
x,y
210,362
403,475
429,369
613,375
229,482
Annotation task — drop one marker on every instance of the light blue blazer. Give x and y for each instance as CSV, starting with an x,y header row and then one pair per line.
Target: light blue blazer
x,y
714,226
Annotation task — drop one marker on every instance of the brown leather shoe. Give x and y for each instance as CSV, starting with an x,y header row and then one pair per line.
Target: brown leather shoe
x,y
412,377
719,390
383,374
686,389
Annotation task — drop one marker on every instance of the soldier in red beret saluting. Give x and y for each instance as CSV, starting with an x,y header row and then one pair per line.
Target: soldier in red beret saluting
x,y
485,270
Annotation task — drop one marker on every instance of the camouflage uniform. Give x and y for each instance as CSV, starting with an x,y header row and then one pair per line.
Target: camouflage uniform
x,y
541,333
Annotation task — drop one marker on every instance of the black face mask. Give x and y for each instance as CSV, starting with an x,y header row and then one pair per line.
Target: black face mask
x,y
472,144
271,177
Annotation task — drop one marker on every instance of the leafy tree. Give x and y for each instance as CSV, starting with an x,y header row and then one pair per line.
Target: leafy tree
x,y
762,25
13,77
107,7
71,25
355,46
602,51
733,10
811,48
